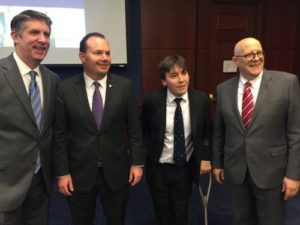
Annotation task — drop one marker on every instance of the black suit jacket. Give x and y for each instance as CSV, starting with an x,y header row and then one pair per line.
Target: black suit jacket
x,y
154,125
20,138
79,144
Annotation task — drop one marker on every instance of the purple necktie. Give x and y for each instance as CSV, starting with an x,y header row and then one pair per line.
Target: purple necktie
x,y
97,108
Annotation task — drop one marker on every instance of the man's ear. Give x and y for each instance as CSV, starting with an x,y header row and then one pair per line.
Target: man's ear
x,y
82,57
14,35
235,60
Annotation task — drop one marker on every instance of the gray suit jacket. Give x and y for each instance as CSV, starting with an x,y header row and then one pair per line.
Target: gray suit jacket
x,y
20,139
270,149
79,144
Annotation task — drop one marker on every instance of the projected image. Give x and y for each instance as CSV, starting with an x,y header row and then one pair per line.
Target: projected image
x,y
72,20
68,20
2,29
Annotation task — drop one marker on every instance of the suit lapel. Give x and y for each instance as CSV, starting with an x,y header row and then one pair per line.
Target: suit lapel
x,y
193,111
233,92
161,110
46,93
15,80
109,97
80,91
161,117
262,94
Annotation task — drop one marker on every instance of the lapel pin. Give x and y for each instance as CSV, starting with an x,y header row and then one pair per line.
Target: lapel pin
x,y
110,85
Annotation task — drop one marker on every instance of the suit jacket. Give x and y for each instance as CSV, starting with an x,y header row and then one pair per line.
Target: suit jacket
x,y
79,144
20,138
270,149
154,126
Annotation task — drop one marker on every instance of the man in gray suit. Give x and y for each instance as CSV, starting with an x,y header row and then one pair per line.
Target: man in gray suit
x,y
98,138
256,143
26,131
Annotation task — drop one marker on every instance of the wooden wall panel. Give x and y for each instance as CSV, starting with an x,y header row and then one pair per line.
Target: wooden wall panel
x,y
168,23
274,57
280,34
230,23
279,24
203,80
233,21
296,66
203,39
168,27
203,22
205,32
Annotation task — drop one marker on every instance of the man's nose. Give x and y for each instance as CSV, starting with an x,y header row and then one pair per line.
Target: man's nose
x,y
43,38
180,77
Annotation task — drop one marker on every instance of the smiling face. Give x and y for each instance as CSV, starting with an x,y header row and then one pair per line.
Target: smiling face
x,y
96,59
177,80
249,67
32,42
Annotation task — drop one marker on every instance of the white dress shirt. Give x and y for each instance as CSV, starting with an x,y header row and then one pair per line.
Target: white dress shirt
x,y
255,84
90,88
24,71
168,149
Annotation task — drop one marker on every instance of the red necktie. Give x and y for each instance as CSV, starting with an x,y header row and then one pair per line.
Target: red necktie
x,y
247,105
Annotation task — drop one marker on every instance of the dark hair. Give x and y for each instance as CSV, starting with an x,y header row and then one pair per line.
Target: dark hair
x,y
17,23
82,45
168,62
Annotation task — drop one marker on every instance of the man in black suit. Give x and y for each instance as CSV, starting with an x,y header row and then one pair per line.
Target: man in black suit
x,y
26,131
98,144
170,175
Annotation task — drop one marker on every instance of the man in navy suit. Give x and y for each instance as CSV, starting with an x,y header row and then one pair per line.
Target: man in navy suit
x,y
93,156
25,133
170,176
256,141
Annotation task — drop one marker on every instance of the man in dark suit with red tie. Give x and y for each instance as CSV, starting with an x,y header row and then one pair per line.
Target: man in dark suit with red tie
x,y
98,139
177,131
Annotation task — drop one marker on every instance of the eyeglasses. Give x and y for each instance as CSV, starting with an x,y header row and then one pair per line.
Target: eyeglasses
x,y
252,55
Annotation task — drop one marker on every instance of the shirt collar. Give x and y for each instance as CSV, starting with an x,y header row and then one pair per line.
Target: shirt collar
x,y
23,68
253,82
171,97
90,82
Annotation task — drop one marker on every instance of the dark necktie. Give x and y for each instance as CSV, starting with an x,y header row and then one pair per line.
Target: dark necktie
x,y
247,105
35,98
97,108
179,156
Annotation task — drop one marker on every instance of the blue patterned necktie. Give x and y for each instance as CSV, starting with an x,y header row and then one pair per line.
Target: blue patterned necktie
x,y
179,156
97,107
35,97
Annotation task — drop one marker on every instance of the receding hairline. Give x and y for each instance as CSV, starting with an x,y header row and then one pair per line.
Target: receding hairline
x,y
239,44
